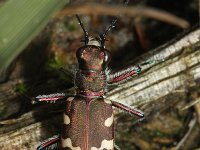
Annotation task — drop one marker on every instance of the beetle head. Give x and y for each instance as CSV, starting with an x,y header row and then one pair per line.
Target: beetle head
x,y
93,57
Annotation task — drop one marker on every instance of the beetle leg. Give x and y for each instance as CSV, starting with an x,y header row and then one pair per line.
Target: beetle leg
x,y
129,72
128,109
50,144
50,98
67,72
116,147
124,75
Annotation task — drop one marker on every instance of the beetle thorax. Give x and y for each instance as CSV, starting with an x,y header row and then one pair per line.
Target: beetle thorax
x,y
93,60
91,74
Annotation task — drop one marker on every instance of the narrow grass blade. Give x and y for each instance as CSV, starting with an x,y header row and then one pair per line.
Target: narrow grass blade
x,y
20,21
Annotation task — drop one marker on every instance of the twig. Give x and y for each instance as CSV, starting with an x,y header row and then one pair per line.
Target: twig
x,y
130,11
194,96
196,103
140,33
191,126
191,104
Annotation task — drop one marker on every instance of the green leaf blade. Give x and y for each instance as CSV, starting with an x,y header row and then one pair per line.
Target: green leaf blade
x,y
20,22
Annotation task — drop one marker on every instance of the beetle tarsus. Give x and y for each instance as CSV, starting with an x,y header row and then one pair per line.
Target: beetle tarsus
x,y
116,147
131,111
124,75
50,144
50,98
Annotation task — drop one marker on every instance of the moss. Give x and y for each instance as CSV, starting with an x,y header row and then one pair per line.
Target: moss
x,y
21,88
71,26
53,67
54,63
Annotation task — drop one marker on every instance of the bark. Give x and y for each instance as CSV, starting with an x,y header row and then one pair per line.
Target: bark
x,y
179,72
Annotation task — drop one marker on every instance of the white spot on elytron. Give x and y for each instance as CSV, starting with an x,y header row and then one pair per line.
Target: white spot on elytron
x,y
70,98
107,101
109,121
68,143
105,144
66,119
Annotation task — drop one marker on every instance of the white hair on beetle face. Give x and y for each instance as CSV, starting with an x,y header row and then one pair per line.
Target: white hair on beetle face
x,y
93,41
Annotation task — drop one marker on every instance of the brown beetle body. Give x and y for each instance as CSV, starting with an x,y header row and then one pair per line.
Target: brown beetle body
x,y
88,117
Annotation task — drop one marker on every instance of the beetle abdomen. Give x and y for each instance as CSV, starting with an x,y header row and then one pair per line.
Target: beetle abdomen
x,y
89,128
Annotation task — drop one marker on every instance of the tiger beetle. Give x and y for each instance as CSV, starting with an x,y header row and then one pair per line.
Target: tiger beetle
x,y
88,122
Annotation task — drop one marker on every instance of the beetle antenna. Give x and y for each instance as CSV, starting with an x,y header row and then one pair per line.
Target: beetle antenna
x,y
86,40
102,37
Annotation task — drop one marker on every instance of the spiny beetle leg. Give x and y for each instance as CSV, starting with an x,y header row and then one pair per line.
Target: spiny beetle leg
x,y
116,147
128,109
130,72
50,98
152,61
50,144
124,75
67,72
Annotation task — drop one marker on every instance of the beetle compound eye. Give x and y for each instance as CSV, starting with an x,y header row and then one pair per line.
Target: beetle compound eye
x,y
83,54
102,55
107,57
